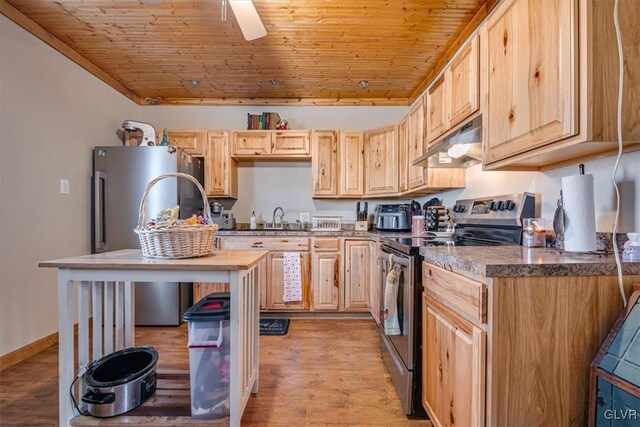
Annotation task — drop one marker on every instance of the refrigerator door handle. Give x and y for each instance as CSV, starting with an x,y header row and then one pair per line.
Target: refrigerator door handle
x,y
100,182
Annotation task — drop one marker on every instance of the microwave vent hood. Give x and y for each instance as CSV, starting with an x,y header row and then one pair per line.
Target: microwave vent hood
x,y
460,149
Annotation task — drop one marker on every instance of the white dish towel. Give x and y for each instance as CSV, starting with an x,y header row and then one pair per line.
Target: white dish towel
x,y
292,277
391,323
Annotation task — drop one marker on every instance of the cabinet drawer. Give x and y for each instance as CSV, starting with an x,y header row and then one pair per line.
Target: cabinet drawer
x,y
465,294
326,245
267,243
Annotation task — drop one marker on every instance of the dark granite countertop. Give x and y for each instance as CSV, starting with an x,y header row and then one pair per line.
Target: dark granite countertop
x,y
519,261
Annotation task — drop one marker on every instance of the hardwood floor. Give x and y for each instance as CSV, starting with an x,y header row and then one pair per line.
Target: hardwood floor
x,y
323,372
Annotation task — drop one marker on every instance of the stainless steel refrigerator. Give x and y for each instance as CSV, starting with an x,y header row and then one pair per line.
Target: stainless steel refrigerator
x,y
120,175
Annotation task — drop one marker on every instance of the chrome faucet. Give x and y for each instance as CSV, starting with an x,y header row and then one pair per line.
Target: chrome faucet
x,y
273,222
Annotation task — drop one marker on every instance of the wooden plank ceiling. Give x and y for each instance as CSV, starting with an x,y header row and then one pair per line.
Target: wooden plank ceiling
x,y
319,50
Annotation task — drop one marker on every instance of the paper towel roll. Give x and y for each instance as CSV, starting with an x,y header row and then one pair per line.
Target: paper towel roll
x,y
580,214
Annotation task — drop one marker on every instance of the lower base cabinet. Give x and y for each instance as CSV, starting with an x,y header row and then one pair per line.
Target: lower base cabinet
x,y
453,375
357,275
327,280
201,290
275,282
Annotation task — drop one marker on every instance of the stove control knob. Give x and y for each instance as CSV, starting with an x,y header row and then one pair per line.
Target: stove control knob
x,y
455,208
494,206
502,206
510,205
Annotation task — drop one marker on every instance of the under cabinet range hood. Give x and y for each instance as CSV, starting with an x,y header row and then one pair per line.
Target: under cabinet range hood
x,y
460,149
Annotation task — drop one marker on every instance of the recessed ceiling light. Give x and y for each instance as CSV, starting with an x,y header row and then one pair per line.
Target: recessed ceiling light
x,y
275,82
194,82
363,83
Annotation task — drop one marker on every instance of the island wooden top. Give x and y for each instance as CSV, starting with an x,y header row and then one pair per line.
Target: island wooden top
x,y
132,259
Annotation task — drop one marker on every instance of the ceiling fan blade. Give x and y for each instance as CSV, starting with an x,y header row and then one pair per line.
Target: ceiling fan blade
x,y
248,19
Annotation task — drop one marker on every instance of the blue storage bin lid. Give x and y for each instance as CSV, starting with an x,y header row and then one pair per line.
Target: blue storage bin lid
x,y
216,306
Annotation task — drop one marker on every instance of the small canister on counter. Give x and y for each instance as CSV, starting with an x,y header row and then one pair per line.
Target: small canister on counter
x,y
534,232
417,225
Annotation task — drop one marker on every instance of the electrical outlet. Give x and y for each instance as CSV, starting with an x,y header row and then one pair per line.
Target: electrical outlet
x,y
64,186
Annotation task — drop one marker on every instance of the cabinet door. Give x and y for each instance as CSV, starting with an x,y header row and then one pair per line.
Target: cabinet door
x,y
275,278
326,274
453,360
351,164
290,143
403,154
201,290
416,174
191,142
437,122
381,159
251,143
220,170
531,83
324,163
464,83
357,275
376,282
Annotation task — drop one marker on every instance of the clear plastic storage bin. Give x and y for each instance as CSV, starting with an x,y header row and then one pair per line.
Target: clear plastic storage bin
x,y
209,350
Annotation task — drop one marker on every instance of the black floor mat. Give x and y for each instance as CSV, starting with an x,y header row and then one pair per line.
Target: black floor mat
x,y
274,326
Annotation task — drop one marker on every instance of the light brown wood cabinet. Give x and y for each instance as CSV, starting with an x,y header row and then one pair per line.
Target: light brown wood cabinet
x,y
275,285
351,163
251,142
403,154
192,142
289,143
463,79
453,367
376,281
416,175
381,161
357,275
324,163
436,112
220,170
201,290
327,280
549,82
532,85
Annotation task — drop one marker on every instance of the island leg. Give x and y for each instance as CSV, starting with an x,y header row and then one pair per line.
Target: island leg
x,y
65,346
235,414
256,274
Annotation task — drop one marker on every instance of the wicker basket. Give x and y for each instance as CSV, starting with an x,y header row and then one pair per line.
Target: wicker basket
x,y
176,241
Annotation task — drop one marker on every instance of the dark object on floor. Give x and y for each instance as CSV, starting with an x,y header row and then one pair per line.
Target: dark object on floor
x,y
615,373
274,326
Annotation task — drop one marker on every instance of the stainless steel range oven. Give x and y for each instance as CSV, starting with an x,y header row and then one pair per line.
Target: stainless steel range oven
x,y
401,353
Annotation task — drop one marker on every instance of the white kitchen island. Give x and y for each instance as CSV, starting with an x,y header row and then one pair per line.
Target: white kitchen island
x,y
105,285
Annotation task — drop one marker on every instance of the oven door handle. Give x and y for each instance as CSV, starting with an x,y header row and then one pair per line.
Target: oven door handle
x,y
398,260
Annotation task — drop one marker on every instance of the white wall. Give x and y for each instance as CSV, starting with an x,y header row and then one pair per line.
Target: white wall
x,y
52,113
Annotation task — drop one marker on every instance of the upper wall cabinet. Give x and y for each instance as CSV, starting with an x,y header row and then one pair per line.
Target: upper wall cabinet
x,y
290,143
531,77
456,94
251,143
463,78
436,112
192,142
416,175
551,81
403,154
324,163
381,161
220,170
351,164
271,144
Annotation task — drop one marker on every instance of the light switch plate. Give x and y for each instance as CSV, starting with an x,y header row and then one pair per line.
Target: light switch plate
x,y
64,186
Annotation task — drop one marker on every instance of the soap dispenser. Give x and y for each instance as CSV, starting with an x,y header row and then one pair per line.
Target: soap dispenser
x,y
252,222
